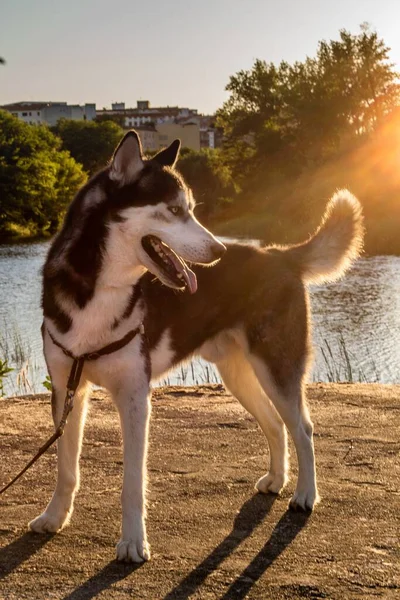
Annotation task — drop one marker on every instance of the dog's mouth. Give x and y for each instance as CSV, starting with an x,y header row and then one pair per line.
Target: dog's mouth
x,y
172,267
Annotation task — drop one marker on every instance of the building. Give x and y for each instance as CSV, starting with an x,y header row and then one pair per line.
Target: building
x,y
144,114
188,133
171,122
157,127
29,112
153,137
210,135
36,113
149,137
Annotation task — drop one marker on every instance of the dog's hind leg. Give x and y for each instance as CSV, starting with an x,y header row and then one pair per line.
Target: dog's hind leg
x,y
60,507
277,344
240,379
290,402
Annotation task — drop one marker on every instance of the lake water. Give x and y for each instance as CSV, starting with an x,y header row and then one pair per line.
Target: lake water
x,y
356,323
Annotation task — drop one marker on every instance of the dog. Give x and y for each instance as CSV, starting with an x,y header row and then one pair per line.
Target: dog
x,y
121,260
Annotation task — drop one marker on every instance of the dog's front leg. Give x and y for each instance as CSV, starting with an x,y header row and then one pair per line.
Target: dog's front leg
x,y
60,507
133,403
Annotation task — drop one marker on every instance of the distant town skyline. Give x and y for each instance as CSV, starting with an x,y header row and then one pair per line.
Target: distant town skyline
x,y
180,52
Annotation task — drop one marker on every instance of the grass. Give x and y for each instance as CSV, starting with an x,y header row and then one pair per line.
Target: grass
x,y
20,374
197,372
4,371
341,365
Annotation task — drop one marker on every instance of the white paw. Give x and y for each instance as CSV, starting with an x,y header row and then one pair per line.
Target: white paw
x,y
48,523
304,500
271,483
136,551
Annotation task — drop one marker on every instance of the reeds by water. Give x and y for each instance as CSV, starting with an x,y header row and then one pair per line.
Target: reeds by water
x,y
18,369
20,374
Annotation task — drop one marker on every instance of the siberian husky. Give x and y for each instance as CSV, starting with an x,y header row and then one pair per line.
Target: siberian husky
x,y
120,260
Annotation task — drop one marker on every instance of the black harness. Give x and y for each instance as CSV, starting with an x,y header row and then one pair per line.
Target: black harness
x,y
78,361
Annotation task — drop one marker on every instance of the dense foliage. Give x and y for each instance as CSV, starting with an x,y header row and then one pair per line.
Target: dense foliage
x,y
293,133
37,178
90,143
211,181
301,115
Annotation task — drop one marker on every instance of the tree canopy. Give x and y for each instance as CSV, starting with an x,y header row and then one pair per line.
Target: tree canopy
x,y
303,114
210,180
90,143
37,178
295,132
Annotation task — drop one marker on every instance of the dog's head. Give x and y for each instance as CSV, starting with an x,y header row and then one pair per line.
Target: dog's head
x,y
152,210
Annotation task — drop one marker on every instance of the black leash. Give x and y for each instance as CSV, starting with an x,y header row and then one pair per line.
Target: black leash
x,y
72,385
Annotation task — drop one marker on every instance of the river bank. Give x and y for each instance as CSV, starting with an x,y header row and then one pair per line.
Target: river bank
x,y
211,536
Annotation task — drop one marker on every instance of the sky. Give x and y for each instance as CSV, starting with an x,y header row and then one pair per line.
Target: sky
x,y
172,52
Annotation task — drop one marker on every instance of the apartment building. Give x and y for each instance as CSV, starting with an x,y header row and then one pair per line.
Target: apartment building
x,y
149,137
154,137
144,114
36,113
188,133
196,131
156,126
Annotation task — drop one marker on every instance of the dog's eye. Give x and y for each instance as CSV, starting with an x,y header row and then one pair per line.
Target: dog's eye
x,y
176,210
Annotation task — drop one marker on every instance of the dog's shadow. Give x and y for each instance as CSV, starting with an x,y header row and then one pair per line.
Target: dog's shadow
x,y
250,516
112,573
20,550
28,544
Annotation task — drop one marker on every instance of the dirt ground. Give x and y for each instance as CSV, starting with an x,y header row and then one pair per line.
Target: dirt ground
x,y
211,535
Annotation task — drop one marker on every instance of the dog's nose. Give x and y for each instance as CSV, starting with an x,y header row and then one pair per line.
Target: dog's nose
x,y
218,250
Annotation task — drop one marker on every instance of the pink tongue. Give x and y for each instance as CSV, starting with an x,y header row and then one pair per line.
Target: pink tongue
x,y
182,267
190,279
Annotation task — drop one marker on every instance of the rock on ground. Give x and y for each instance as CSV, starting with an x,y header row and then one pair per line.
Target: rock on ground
x,y
211,535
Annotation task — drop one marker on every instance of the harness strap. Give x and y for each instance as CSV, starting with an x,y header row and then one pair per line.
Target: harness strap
x,y
68,404
72,386
109,349
75,374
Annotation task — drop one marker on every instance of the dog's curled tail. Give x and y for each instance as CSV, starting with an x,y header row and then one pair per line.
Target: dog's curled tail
x,y
337,242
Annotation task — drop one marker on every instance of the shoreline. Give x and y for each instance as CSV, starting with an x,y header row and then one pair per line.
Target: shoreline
x,y
29,239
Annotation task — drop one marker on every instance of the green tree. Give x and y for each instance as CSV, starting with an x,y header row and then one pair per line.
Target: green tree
x,y
37,178
302,114
209,178
294,132
340,96
90,143
118,119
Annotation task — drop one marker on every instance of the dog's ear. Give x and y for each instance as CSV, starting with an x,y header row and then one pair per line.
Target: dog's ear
x,y
169,156
127,161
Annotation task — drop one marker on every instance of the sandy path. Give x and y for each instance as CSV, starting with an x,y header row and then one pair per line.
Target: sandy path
x,y
211,537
